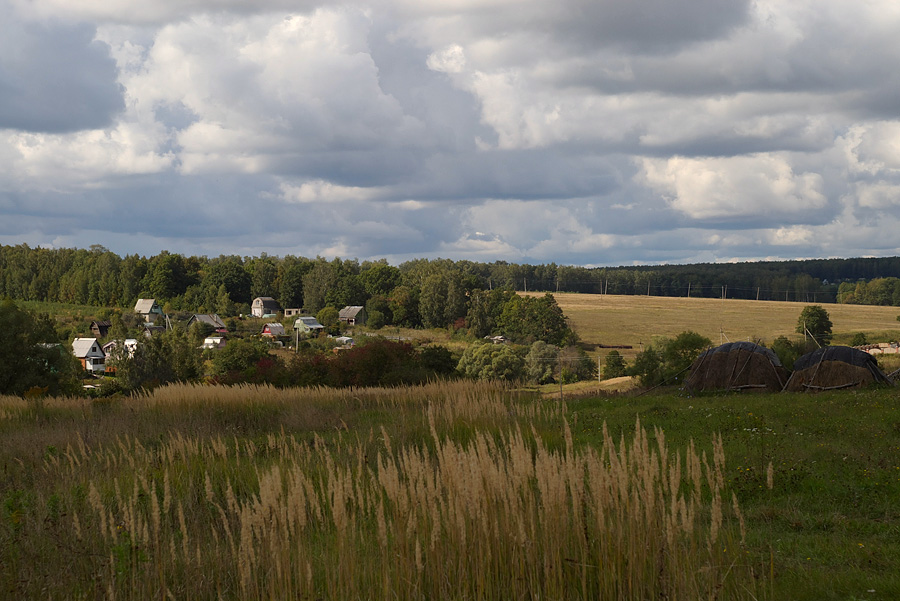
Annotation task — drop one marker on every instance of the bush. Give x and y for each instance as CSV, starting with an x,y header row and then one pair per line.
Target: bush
x,y
492,362
376,319
614,367
541,362
377,363
667,362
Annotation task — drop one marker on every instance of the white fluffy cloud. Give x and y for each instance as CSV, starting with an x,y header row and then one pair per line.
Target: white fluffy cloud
x,y
734,188
580,131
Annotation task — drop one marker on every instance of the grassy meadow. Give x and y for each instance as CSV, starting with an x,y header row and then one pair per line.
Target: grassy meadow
x,y
449,491
466,490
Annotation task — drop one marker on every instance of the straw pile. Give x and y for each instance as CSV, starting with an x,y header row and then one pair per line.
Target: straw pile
x,y
743,366
835,368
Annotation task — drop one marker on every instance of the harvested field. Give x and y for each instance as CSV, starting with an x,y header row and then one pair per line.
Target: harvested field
x,y
636,320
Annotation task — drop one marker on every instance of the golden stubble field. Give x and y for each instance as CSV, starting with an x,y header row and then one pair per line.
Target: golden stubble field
x,y
635,320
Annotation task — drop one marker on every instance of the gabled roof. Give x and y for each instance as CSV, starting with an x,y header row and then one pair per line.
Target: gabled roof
x,y
86,347
144,306
208,318
266,301
101,324
275,329
308,321
349,312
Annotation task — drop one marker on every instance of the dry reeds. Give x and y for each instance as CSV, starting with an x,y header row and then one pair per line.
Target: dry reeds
x,y
495,514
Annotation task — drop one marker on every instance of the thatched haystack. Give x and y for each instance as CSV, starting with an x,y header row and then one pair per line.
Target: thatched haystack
x,y
833,368
743,366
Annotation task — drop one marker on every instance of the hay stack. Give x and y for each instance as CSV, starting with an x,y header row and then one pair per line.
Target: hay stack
x,y
743,366
834,368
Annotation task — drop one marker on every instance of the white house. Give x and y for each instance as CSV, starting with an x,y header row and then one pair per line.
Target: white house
x,y
129,345
92,357
264,306
213,342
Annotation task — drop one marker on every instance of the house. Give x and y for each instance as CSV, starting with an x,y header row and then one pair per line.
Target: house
x,y
148,308
292,312
345,342
129,344
214,342
92,357
150,330
308,325
354,316
264,306
210,319
100,328
273,330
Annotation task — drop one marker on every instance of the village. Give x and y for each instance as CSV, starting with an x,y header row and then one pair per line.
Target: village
x,y
93,353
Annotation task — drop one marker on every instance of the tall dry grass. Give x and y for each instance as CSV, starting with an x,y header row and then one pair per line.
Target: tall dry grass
x,y
461,512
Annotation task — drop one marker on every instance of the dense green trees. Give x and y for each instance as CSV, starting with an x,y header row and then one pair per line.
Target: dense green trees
x,y
525,319
436,293
668,359
31,355
171,356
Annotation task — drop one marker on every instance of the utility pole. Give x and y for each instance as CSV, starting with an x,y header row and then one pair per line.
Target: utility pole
x,y
689,290
559,360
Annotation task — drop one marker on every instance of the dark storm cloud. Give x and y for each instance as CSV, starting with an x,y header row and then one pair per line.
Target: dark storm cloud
x,y
54,77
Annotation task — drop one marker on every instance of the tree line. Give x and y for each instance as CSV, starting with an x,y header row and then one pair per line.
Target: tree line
x,y
416,293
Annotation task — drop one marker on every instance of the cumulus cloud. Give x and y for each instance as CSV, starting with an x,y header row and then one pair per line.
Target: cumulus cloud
x,y
591,132
734,188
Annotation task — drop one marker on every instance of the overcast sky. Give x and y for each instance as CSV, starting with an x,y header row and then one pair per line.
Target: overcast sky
x,y
588,132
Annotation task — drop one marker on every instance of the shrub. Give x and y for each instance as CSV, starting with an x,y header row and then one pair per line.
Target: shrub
x,y
541,362
614,367
492,362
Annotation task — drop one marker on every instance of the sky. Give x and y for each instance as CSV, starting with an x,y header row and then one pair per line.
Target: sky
x,y
580,132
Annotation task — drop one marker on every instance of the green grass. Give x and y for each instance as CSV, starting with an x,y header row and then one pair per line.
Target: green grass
x,y
830,525
829,528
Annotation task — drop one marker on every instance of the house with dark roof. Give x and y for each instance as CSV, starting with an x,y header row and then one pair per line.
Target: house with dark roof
x,y
100,328
210,319
264,306
353,315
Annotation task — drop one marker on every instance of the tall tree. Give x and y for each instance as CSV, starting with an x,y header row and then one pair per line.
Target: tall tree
x,y
815,323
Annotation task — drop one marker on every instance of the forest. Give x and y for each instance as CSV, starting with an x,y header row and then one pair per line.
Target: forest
x,y
416,293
